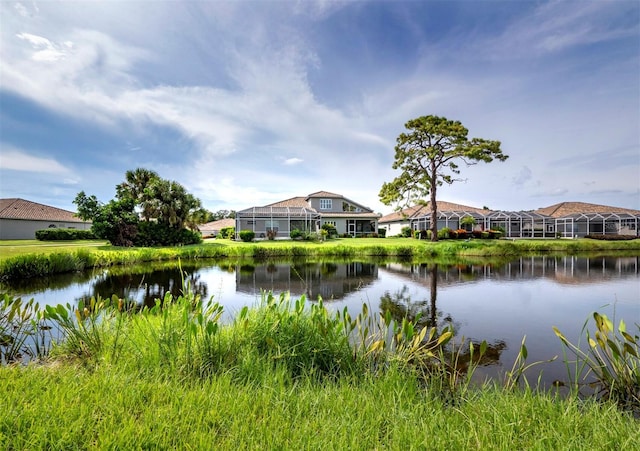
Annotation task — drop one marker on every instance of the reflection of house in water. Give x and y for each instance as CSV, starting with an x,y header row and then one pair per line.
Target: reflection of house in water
x,y
328,280
564,270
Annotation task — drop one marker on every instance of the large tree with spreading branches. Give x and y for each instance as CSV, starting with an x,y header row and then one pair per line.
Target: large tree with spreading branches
x,y
427,155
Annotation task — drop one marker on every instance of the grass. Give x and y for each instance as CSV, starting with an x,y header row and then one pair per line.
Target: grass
x,y
70,407
281,376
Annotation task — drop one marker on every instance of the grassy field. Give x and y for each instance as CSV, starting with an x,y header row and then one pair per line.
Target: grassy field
x,y
13,248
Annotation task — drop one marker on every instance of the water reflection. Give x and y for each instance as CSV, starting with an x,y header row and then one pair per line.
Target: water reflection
x,y
329,281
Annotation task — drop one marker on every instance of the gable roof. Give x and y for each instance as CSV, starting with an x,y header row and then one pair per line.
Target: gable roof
x,y
16,208
571,208
300,202
325,194
218,225
422,210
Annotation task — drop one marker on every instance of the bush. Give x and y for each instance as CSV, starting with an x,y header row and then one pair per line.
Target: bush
x,y
158,234
406,232
332,232
444,233
382,233
477,234
611,237
227,232
64,234
271,234
247,235
296,234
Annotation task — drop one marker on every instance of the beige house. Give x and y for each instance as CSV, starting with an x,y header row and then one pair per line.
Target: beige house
x,y
417,217
20,219
309,213
564,220
213,228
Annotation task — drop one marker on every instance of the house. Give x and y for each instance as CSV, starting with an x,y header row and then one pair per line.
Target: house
x,y
418,217
308,213
577,219
20,219
213,228
566,220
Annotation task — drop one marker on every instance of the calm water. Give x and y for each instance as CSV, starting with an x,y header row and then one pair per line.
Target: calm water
x,y
497,303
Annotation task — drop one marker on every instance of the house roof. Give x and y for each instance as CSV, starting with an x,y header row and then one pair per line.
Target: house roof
x,y
218,225
16,208
422,210
571,208
300,202
325,194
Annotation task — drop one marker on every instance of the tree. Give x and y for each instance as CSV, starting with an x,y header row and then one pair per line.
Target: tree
x,y
138,186
427,155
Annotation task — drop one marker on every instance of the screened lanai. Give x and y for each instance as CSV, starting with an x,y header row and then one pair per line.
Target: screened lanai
x,y
522,224
277,222
450,219
581,224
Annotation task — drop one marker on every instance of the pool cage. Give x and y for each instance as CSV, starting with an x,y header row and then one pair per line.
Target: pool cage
x,y
276,222
522,224
582,224
451,220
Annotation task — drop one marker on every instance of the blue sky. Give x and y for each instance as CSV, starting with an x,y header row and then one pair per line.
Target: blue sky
x,y
250,102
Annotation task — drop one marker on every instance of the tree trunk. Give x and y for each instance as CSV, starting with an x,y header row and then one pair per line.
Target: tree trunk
x,y
434,211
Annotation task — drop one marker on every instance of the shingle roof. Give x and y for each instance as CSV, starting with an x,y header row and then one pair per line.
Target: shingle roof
x,y
24,209
570,208
421,210
325,194
218,225
300,202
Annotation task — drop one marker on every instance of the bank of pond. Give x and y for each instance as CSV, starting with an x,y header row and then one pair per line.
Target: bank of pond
x,y
287,373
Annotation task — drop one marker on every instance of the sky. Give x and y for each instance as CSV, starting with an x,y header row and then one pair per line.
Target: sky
x,y
246,103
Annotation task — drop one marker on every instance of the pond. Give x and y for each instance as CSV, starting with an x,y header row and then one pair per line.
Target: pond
x,y
499,303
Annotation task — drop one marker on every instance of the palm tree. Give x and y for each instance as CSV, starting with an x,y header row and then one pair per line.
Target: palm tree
x,y
138,186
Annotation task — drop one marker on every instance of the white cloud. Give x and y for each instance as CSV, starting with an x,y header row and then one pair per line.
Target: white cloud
x,y
292,161
20,161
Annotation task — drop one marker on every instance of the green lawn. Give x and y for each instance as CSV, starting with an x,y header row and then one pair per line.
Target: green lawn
x,y
12,248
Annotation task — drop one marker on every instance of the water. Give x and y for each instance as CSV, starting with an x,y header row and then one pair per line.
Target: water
x,y
497,303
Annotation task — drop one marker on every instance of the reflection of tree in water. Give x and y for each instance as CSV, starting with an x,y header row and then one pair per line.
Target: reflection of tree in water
x,y
147,287
401,306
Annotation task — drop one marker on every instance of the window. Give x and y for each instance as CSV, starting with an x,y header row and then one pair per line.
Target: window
x,y
333,223
272,225
325,204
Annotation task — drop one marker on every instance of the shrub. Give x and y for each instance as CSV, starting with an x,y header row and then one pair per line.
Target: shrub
x,y
406,232
611,237
64,234
271,234
332,232
477,234
416,234
461,233
485,235
444,233
158,234
382,233
227,232
296,234
247,235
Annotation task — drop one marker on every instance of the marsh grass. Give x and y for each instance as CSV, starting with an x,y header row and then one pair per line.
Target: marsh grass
x,y
612,357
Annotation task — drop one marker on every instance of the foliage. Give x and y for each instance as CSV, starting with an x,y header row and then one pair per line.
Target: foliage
x,y
272,234
427,157
144,193
57,234
155,234
382,233
331,230
227,233
406,231
611,237
296,234
221,214
469,221
444,233
247,235
461,234
21,331
612,357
